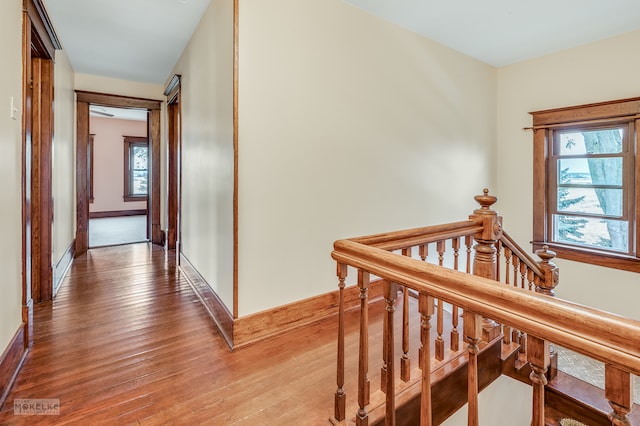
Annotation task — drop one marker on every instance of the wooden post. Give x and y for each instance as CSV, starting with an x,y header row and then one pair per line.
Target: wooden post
x,y
538,357
619,391
340,397
362,418
390,293
425,306
472,333
484,261
551,272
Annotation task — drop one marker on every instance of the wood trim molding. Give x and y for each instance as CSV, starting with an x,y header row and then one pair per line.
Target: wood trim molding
x,y
212,303
595,111
11,361
62,266
42,24
118,101
82,178
236,50
153,204
83,99
269,323
117,213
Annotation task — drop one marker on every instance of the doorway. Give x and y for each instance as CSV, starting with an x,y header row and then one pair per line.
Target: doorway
x,y
118,155
84,102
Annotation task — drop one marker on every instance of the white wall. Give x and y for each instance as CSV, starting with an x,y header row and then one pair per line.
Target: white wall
x,y
602,71
349,125
63,173
206,67
10,170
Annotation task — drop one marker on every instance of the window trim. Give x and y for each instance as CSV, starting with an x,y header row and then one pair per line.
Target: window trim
x,y
602,114
130,141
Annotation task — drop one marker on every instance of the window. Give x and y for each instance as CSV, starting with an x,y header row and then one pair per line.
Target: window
x,y
585,178
136,169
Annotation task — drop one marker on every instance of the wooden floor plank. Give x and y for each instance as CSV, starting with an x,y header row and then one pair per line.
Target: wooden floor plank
x,y
126,341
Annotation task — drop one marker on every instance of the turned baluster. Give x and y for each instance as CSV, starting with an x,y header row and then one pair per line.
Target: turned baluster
x,y
619,392
538,357
423,251
530,277
498,256
484,261
340,397
468,242
523,274
515,261
390,293
473,331
506,330
383,369
550,270
455,335
362,417
425,306
440,245
507,265
405,362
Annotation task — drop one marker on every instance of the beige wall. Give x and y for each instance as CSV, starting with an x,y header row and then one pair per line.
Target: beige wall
x,y
504,402
10,170
207,148
63,174
108,171
114,86
349,125
597,72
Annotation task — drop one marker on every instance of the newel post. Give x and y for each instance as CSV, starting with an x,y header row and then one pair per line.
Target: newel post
x,y
550,270
485,263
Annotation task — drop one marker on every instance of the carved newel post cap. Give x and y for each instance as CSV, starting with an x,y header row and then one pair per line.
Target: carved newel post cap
x,y
545,254
486,201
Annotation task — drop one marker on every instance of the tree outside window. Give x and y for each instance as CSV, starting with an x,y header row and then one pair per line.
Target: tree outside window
x,y
586,200
136,168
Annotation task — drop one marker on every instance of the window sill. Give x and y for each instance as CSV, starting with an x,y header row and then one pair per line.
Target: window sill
x,y
129,198
598,258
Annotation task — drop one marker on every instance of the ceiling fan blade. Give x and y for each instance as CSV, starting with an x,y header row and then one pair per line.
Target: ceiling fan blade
x,y
106,114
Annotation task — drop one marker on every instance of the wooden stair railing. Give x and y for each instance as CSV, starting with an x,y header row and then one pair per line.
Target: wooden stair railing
x,y
539,318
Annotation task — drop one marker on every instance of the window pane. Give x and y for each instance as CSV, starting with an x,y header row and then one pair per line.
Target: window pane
x,y
597,233
590,200
139,182
588,171
607,141
139,157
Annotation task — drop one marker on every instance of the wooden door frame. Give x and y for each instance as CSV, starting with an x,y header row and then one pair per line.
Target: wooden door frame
x,y
39,43
174,163
83,100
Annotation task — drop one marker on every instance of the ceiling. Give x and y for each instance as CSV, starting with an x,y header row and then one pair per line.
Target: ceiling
x,y
141,40
136,40
100,111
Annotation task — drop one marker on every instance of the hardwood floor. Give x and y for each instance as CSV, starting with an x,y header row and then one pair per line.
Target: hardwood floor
x,y
126,341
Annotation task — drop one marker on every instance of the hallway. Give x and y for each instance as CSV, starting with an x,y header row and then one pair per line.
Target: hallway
x,y
126,341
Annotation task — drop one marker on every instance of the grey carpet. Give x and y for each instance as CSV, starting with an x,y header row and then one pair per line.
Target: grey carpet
x,y
587,369
110,231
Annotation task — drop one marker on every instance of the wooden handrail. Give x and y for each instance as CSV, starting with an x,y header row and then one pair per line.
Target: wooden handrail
x,y
412,237
597,334
525,257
